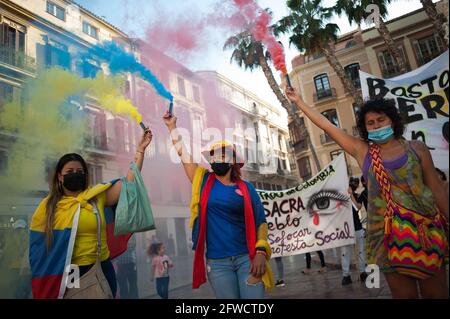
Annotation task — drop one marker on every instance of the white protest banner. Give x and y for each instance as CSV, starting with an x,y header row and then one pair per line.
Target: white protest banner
x,y
422,98
315,215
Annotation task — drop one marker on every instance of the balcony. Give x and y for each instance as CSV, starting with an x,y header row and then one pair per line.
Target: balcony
x,y
17,59
301,146
321,95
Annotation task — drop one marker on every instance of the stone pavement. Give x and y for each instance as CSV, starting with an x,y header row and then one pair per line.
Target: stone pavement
x,y
300,286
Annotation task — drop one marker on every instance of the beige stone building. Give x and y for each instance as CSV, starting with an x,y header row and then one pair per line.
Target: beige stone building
x,y
360,49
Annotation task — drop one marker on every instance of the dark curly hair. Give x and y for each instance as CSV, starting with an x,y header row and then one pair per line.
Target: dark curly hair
x,y
386,106
154,249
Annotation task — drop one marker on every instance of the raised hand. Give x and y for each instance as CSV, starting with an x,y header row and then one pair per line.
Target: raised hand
x,y
170,120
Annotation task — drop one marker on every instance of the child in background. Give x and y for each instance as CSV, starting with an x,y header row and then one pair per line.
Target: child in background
x,y
160,269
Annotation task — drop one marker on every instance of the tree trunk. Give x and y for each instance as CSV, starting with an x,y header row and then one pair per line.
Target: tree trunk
x,y
438,19
393,50
337,67
287,105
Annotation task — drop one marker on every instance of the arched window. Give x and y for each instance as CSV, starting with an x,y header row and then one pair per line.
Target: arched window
x,y
350,44
332,116
352,71
322,84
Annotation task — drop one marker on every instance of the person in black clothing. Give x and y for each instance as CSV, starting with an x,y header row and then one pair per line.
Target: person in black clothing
x,y
362,198
323,267
346,251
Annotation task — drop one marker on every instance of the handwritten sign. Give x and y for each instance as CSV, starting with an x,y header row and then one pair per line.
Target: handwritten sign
x,y
422,97
315,215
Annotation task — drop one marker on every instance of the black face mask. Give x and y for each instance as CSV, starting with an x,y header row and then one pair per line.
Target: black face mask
x,y
220,169
74,182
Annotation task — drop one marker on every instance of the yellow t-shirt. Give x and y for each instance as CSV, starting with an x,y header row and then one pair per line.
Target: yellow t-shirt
x,y
85,247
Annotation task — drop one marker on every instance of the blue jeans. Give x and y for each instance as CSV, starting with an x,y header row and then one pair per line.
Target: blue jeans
x,y
162,287
228,278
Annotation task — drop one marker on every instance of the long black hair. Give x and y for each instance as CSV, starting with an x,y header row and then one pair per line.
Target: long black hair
x,y
56,192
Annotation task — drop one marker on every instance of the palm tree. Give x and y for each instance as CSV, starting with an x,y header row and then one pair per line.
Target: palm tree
x,y
438,19
310,33
356,12
251,54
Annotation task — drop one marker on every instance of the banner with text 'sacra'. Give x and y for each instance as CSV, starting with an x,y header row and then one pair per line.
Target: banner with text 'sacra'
x,y
315,215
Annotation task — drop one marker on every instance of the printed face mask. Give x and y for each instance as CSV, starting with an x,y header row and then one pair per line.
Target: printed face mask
x,y
381,135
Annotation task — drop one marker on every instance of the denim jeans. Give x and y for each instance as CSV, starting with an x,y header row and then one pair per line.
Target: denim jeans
x,y
228,278
162,287
347,252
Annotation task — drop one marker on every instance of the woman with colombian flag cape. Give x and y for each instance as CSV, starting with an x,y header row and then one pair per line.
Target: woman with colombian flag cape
x,y
227,215
58,240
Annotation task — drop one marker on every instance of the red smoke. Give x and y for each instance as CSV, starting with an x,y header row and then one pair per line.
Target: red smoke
x,y
261,31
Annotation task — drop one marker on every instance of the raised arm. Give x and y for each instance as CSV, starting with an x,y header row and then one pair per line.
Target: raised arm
x,y
113,193
186,158
350,144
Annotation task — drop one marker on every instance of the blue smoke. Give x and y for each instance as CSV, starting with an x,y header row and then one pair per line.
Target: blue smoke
x,y
121,61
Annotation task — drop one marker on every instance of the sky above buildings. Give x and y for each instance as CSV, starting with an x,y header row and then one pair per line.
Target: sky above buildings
x,y
136,16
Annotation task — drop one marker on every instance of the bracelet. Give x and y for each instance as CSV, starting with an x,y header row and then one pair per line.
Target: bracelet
x,y
140,152
261,252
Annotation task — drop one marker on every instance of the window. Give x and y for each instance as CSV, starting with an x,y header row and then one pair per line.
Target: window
x,y
283,164
350,44
56,10
428,48
89,69
304,168
352,71
12,37
181,87
128,89
389,67
295,129
57,54
356,110
331,115
335,154
97,126
3,162
6,93
196,92
95,174
322,84
89,29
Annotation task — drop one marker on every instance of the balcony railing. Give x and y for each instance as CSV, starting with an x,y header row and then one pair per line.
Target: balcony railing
x,y
17,59
324,94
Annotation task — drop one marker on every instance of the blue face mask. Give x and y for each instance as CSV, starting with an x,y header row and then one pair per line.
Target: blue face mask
x,y
381,135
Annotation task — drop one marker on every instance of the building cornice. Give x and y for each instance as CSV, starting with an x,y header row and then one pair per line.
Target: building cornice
x,y
33,18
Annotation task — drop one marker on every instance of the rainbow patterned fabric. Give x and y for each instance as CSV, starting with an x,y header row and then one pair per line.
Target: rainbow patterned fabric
x,y
416,244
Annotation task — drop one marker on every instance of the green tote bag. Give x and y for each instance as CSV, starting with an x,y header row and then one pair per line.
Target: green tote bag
x,y
133,212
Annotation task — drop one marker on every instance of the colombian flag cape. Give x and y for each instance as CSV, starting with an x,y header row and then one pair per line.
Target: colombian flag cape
x,y
48,266
201,187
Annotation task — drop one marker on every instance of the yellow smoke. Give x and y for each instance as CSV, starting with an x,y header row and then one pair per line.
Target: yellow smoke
x,y
47,125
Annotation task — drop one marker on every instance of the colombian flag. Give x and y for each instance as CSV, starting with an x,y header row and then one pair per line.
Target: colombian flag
x,y
48,266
